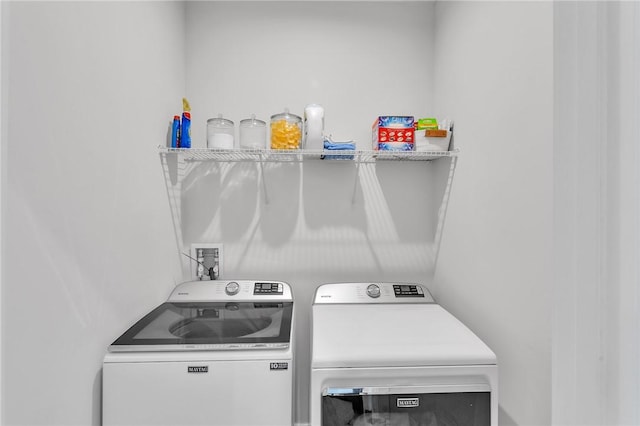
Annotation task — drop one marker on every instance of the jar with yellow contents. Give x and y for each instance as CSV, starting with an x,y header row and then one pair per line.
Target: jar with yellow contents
x,y
286,131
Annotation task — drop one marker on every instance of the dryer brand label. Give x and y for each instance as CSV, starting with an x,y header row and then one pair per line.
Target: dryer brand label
x,y
197,369
407,402
278,366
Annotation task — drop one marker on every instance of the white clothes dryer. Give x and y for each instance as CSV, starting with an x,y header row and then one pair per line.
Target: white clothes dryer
x,y
386,354
216,353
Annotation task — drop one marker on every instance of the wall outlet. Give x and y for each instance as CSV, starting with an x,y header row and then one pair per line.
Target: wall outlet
x,y
207,253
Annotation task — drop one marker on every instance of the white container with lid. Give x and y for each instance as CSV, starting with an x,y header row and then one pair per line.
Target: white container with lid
x,y
220,133
253,133
313,127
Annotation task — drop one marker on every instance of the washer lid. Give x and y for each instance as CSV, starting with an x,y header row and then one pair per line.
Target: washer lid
x,y
175,326
392,335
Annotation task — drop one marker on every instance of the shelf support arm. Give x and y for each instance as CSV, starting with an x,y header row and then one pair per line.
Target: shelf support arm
x,y
264,183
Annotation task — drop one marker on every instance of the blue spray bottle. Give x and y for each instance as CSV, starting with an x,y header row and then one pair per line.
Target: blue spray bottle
x,y
175,132
185,131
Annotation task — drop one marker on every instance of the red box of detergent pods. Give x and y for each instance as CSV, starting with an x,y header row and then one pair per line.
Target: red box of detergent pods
x,y
393,133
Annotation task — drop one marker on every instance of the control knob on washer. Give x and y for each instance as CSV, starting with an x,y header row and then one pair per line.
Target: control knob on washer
x,y
373,291
232,288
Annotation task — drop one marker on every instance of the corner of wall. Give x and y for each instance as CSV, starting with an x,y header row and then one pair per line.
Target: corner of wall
x,y
4,25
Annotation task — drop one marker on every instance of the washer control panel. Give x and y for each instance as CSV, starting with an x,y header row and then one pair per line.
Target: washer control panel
x,y
267,288
372,293
231,290
373,290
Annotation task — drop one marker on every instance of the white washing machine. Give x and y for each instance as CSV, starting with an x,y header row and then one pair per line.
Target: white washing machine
x,y
216,353
386,354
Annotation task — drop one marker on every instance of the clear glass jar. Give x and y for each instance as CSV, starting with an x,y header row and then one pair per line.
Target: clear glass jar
x,y
253,133
220,133
286,131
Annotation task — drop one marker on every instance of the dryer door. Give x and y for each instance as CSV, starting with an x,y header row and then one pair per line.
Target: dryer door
x,y
407,406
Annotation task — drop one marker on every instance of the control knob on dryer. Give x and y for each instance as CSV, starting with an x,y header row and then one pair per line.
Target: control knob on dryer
x,y
373,290
232,288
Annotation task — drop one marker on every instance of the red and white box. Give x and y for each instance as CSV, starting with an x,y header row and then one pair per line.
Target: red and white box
x,y
393,133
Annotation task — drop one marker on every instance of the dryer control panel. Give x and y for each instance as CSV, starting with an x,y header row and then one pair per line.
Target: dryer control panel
x,y
372,293
408,290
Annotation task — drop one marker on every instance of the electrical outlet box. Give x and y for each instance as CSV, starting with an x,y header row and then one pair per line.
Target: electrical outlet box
x,y
208,259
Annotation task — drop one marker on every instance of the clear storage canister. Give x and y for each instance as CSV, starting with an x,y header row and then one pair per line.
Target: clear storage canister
x,y
253,133
220,133
286,131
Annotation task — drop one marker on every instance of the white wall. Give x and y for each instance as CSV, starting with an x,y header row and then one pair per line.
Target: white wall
x,y
357,59
86,192
315,222
91,89
494,74
3,136
72,277
622,320
596,345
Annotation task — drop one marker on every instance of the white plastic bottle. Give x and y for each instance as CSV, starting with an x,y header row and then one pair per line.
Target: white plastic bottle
x,y
313,127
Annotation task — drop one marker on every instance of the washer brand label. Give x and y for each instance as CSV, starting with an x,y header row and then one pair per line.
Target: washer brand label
x,y
278,366
197,369
408,402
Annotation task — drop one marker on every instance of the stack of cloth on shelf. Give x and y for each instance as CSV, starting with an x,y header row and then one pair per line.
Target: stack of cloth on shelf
x,y
330,145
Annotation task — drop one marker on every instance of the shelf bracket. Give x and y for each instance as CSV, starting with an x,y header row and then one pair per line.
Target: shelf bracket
x,y
264,183
442,211
355,183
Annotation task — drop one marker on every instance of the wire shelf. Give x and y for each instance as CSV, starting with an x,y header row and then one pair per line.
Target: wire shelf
x,y
298,155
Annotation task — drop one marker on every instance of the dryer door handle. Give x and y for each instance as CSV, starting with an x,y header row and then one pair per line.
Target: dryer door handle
x,y
360,391
401,390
